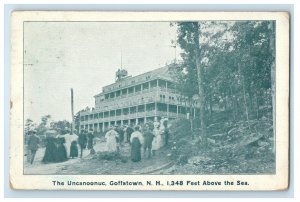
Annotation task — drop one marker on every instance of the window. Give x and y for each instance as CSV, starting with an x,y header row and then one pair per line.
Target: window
x,y
153,84
138,88
173,108
124,91
118,112
162,97
132,110
162,107
130,90
150,107
141,108
126,111
146,86
112,113
162,84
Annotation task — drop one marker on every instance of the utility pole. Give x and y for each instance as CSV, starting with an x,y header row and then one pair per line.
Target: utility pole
x,y
72,110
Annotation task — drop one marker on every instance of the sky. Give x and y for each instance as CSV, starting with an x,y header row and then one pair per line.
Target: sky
x,y
84,56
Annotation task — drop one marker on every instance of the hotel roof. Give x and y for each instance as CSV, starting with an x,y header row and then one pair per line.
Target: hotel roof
x,y
160,73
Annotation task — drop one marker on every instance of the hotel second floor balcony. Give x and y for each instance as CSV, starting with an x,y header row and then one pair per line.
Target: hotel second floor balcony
x,y
136,115
141,97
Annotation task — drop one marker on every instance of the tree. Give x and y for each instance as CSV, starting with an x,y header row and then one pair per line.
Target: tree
x,y
200,77
254,57
61,125
189,39
231,64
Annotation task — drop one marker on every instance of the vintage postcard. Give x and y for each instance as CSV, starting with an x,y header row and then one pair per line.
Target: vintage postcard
x,y
149,100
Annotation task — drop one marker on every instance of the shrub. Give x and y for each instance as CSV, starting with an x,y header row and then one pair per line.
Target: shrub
x,y
110,156
182,151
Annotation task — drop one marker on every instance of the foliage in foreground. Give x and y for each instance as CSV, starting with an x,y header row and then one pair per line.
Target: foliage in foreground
x,y
240,147
111,156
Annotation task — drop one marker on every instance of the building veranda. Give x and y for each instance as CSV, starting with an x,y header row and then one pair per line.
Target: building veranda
x,y
136,100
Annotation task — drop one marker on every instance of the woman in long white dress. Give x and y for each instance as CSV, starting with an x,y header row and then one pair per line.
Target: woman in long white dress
x,y
157,137
111,142
162,130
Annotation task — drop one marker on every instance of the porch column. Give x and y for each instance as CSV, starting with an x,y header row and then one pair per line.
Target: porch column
x,y
145,113
168,109
166,86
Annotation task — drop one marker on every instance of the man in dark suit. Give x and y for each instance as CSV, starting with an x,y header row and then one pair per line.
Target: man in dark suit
x,y
33,144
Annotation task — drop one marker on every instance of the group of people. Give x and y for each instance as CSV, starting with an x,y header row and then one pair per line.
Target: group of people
x,y
59,148
150,138
86,141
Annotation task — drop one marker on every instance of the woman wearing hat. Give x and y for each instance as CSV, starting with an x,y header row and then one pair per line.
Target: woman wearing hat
x,y
50,155
137,141
156,143
111,141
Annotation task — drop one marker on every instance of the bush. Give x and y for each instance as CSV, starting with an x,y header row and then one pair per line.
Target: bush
x,y
110,156
180,129
182,151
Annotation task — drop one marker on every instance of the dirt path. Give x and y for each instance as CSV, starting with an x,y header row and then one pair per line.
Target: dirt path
x,y
39,168
92,165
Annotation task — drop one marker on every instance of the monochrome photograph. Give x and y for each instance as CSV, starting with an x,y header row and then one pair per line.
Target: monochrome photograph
x,y
151,97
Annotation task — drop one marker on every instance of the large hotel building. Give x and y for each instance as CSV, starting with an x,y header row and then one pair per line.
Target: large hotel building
x,y
136,100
